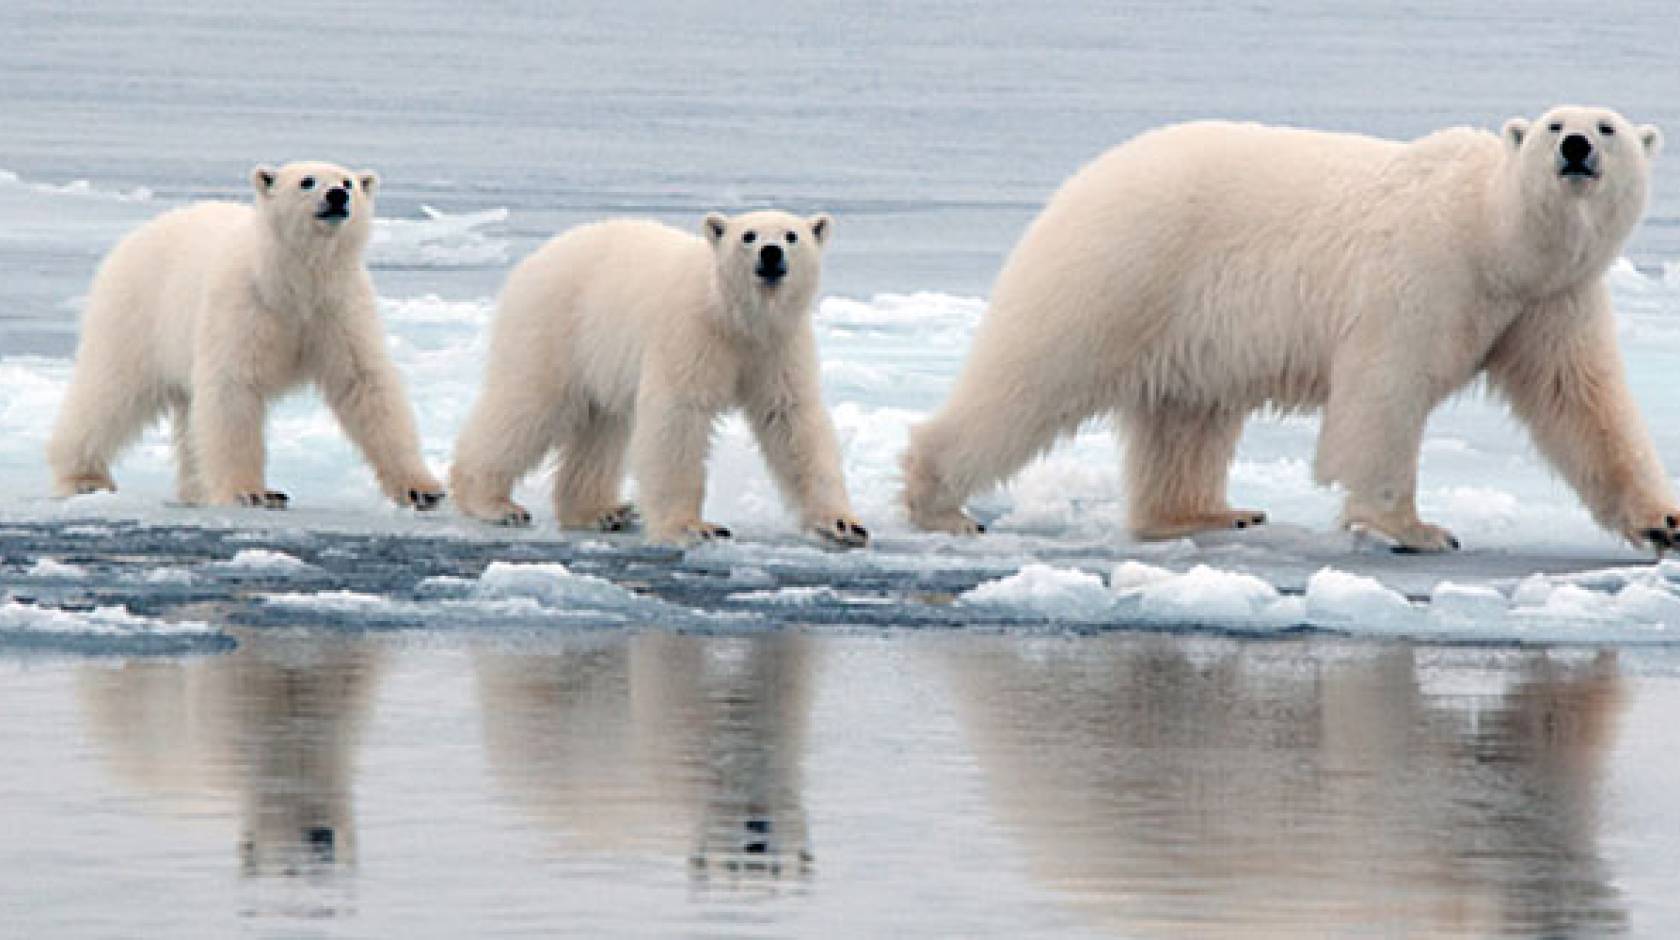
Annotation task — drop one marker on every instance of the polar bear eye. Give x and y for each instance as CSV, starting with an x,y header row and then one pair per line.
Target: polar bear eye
x,y
792,237
750,237
1607,129
1555,127
349,184
307,183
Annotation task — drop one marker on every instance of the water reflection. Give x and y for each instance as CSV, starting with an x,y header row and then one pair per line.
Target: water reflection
x,y
1199,788
269,731
659,743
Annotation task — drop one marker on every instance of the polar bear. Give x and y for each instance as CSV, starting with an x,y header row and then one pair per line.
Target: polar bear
x,y
1203,271
212,310
632,336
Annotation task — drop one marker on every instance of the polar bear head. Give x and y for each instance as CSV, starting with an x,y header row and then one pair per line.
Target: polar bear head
x,y
301,202
1591,159
768,261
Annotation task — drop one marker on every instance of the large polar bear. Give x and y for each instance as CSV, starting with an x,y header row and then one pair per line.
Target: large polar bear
x,y
1204,271
209,312
633,336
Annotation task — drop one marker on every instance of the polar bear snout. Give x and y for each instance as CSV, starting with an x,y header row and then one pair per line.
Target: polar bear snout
x,y
1577,158
335,205
772,263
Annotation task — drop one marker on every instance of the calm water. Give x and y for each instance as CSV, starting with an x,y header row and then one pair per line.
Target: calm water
x,y
941,784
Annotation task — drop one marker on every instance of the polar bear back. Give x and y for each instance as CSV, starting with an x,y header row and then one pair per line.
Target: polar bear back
x,y
151,289
1226,258
589,303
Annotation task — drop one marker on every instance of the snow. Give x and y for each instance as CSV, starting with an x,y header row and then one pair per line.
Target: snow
x,y
58,570
262,561
439,239
102,630
1055,593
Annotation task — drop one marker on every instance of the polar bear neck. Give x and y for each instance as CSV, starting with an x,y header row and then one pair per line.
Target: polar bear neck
x,y
305,272
750,312
1543,241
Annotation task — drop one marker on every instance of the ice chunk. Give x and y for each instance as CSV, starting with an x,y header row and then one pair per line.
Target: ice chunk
x,y
1209,595
1046,591
262,561
1340,598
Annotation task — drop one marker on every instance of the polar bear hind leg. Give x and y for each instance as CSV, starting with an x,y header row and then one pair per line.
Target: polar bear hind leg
x,y
1178,459
588,484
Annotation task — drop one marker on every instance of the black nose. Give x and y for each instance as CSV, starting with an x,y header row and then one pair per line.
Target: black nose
x,y
1575,148
321,841
770,256
337,197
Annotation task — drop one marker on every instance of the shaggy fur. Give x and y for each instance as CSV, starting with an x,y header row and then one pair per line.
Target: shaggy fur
x,y
631,338
1205,271
212,311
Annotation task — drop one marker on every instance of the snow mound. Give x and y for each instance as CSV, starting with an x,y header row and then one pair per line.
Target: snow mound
x,y
107,630
1045,591
552,585
1210,595
262,561
49,568
1339,598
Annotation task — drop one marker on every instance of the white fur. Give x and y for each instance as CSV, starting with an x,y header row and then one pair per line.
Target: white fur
x,y
1204,271
212,311
633,337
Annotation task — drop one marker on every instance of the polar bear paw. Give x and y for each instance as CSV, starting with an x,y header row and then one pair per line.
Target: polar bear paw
x,y
620,518
506,512
265,499
685,534
844,531
952,522
1216,521
1659,531
88,483
425,499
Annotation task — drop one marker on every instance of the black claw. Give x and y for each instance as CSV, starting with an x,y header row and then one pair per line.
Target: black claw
x,y
1242,523
1660,538
980,528
1672,521
722,533
860,531
840,526
1453,541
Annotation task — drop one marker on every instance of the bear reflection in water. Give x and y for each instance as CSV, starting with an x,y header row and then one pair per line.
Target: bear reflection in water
x,y
659,743
1221,788
271,729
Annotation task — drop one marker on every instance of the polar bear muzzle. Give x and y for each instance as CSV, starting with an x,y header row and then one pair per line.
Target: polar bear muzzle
x,y
772,264
1577,158
335,205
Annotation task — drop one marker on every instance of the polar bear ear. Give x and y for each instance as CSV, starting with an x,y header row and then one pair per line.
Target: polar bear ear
x,y
262,179
368,180
1515,130
1651,138
820,224
714,227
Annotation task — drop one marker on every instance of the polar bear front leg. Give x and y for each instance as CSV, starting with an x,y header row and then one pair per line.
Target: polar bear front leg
x,y
669,444
1373,431
1562,373
797,437
226,435
363,389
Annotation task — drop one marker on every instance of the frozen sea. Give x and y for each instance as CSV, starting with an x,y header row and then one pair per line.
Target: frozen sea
x,y
346,720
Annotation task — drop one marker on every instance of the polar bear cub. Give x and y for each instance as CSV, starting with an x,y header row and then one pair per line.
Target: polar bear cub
x,y
1204,271
630,338
210,312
